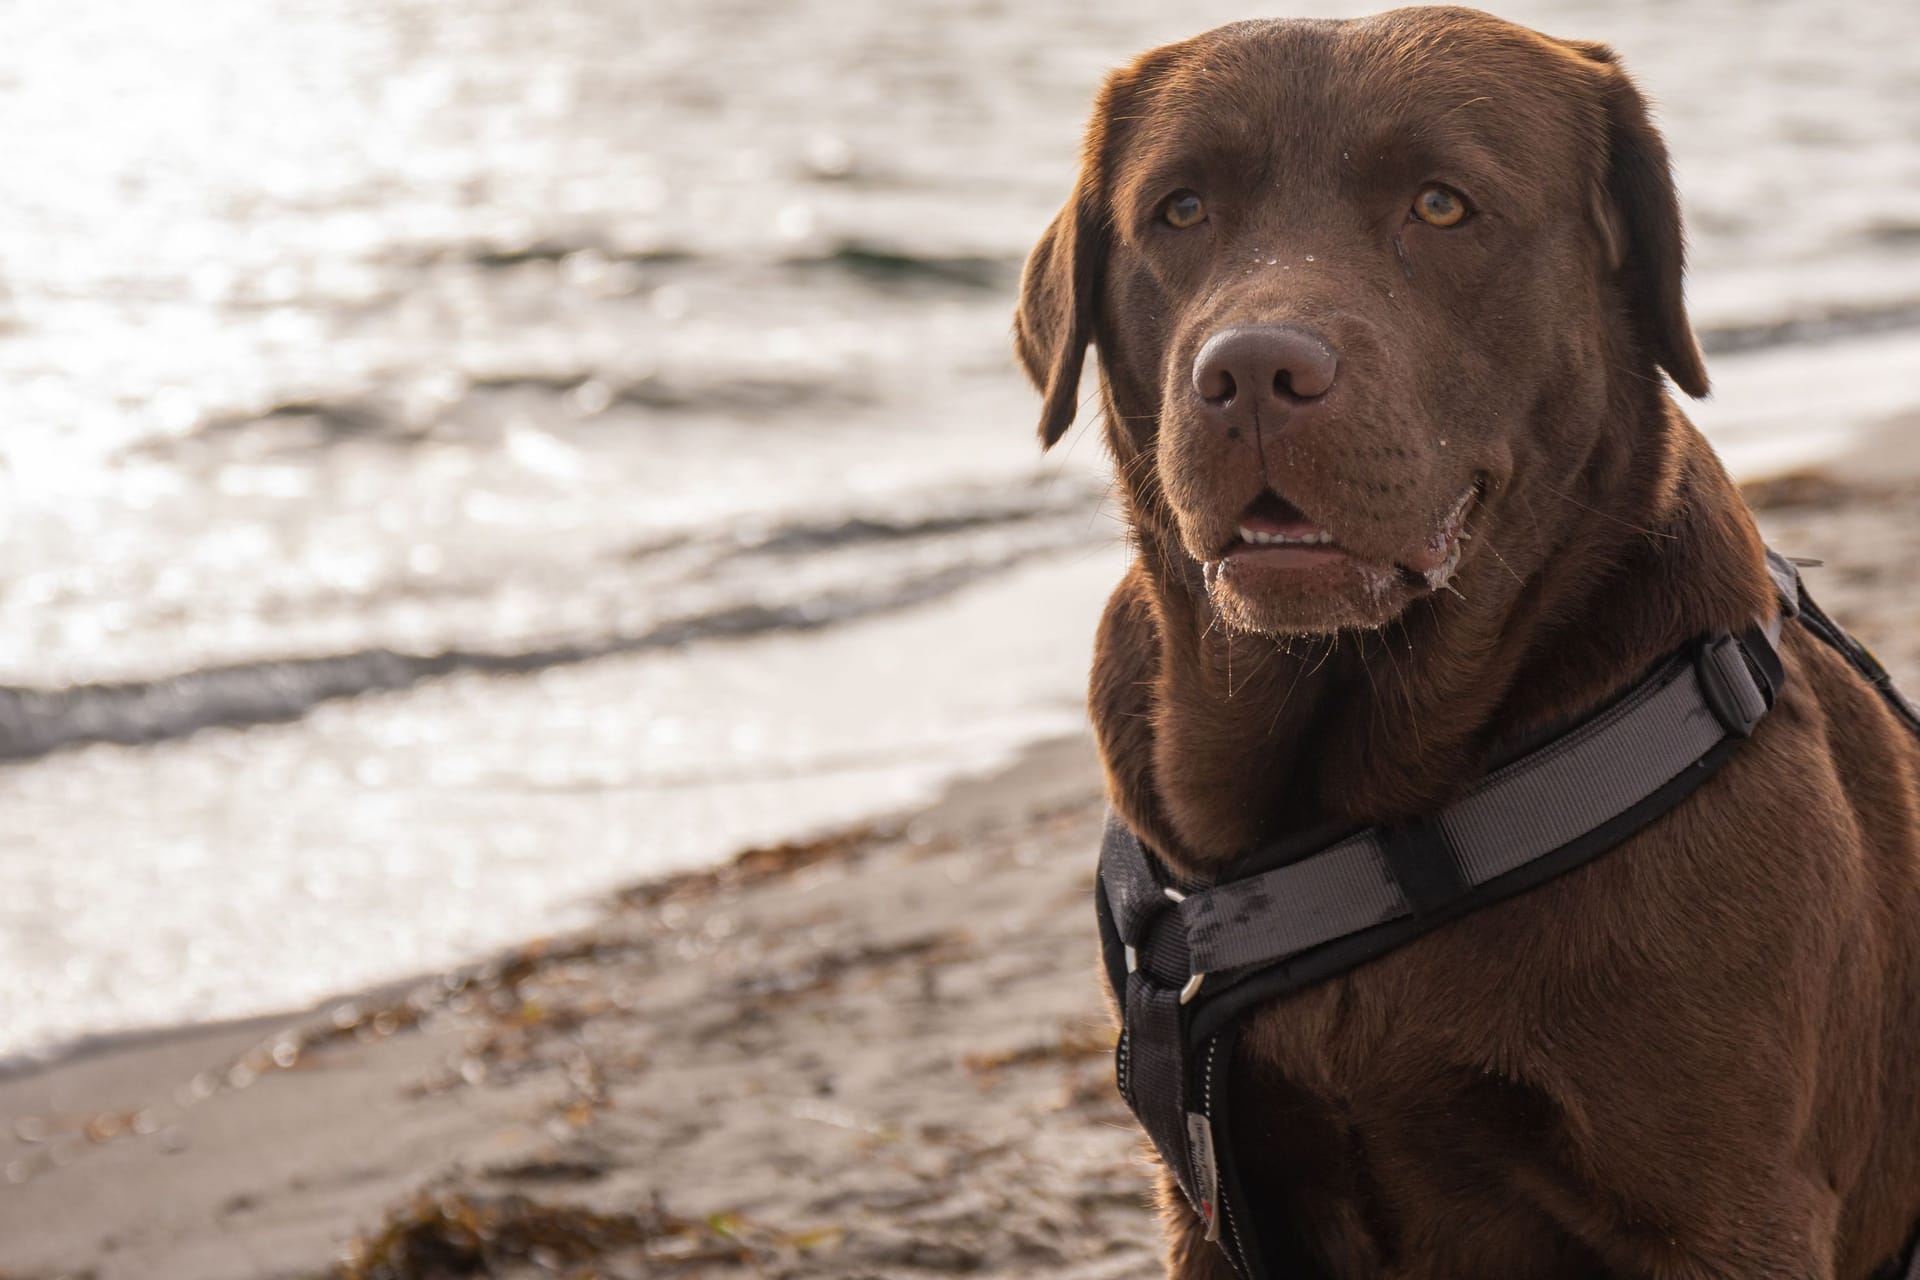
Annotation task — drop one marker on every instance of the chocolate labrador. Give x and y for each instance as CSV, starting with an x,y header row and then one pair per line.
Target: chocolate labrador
x,y
1382,310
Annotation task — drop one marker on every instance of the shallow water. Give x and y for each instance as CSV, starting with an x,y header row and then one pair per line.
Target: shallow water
x,y
621,391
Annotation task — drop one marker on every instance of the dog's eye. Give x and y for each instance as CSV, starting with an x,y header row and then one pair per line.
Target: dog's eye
x,y
1439,206
1184,209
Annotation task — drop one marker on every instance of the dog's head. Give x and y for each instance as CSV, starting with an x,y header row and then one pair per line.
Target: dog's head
x,y
1352,286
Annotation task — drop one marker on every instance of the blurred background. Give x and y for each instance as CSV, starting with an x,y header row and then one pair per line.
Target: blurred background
x,y
458,457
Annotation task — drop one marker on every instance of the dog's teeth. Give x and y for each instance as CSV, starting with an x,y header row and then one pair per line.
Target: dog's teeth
x,y
1258,538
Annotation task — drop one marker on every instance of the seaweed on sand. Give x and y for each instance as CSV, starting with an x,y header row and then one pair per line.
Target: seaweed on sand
x,y
757,864
439,1237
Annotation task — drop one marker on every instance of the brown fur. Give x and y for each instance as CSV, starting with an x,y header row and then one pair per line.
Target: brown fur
x,y
1698,1056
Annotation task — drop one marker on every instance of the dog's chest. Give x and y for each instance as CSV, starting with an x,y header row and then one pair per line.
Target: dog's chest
x,y
1363,1130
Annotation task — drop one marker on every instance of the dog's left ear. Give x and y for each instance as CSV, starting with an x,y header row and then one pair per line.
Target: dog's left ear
x,y
1639,216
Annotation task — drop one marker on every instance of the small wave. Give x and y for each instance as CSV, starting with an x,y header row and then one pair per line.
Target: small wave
x,y
958,511
1896,233
808,538
708,393
867,261
1828,326
554,383
316,421
38,722
891,266
504,255
742,394
560,250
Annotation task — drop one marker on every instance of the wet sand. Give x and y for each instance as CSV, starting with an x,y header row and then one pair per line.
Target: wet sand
x,y
879,1054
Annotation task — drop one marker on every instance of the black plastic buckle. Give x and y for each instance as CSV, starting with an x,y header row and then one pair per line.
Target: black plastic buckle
x,y
1722,661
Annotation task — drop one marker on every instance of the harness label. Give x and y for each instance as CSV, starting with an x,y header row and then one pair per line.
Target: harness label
x,y
1206,1176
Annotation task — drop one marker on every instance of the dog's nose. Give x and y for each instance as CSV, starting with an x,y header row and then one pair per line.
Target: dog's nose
x,y
1250,368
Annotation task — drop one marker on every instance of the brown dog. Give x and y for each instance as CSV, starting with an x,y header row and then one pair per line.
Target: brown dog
x,y
1381,310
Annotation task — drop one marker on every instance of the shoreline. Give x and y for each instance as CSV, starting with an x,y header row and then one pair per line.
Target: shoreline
x,y
878,1052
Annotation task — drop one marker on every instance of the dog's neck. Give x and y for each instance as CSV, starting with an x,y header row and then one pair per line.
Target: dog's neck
x,y
1564,599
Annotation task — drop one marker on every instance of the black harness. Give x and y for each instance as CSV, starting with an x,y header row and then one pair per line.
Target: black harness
x,y
1187,961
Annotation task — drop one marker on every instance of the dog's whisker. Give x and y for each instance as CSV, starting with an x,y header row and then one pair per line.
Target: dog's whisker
x,y
1625,524
1405,687
1405,635
1332,644
1299,670
1373,703
1273,654
1488,544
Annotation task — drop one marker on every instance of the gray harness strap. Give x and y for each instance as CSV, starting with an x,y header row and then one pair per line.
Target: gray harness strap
x,y
1522,812
1185,965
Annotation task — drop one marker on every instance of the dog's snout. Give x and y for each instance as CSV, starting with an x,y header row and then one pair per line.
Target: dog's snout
x,y
1247,368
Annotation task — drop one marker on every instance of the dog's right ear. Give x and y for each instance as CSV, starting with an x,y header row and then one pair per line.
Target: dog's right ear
x,y
1053,324
1060,288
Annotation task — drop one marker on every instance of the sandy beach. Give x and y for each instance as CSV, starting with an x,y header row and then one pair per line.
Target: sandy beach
x,y
877,1053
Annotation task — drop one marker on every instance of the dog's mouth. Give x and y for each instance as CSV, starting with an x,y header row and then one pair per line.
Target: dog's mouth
x,y
1279,548
1274,531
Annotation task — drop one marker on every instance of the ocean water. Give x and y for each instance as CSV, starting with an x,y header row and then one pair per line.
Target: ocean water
x,y
458,457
